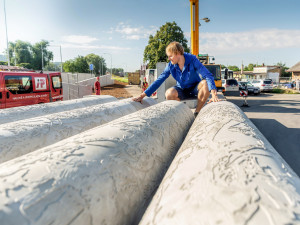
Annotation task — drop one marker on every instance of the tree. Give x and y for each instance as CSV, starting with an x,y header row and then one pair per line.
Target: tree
x,y
233,68
39,50
98,62
81,65
283,70
69,66
21,52
155,51
25,65
249,67
118,71
3,63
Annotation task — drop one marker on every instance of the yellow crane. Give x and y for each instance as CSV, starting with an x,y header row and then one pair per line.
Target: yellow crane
x,y
204,58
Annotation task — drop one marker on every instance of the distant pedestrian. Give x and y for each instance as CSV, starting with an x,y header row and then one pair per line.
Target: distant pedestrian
x,y
97,86
145,84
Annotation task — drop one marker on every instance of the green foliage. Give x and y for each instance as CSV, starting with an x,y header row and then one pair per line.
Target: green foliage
x,y
98,62
40,51
233,68
81,64
23,52
51,67
283,70
20,52
249,67
120,79
283,91
155,50
25,65
69,66
3,63
118,71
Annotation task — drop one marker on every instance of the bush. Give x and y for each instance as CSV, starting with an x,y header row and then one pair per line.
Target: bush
x,y
283,91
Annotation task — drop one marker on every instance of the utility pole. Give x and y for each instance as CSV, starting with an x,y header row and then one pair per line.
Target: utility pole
x,y
6,37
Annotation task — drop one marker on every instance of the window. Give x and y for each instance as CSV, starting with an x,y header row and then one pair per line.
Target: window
x,y
215,71
267,82
232,82
18,84
56,82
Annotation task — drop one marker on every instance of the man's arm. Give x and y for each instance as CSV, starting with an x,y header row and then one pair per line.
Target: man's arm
x,y
139,98
214,96
155,85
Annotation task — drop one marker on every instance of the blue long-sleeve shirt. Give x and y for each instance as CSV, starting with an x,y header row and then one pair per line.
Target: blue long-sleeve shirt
x,y
189,76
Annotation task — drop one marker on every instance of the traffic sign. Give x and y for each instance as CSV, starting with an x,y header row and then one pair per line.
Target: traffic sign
x,y
244,93
91,66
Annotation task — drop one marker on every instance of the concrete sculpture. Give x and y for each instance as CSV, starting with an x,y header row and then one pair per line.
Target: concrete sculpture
x,y
105,175
24,136
31,111
226,172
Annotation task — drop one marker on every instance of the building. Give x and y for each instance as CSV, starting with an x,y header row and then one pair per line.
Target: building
x,y
295,71
267,72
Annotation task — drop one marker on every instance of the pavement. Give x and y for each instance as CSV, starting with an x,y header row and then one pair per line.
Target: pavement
x,y
277,116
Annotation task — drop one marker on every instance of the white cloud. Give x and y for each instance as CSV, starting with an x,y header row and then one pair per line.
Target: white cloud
x,y
133,33
87,47
250,41
78,39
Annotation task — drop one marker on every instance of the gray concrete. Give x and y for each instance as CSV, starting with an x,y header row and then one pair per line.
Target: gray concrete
x,y
105,175
277,116
226,172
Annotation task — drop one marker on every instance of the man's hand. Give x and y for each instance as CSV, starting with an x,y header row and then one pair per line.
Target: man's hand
x,y
140,98
214,96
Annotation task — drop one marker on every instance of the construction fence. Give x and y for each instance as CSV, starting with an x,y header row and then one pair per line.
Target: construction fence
x,y
77,85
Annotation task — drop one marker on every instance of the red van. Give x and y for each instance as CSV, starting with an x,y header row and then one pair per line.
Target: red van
x,y
28,88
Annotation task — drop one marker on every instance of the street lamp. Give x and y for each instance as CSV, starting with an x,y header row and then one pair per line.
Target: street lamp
x,y
205,19
110,62
42,59
6,37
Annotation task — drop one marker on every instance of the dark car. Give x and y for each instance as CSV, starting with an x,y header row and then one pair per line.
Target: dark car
x,y
249,87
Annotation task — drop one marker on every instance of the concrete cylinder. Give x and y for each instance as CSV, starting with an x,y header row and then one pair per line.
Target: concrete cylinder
x,y
24,136
226,172
105,175
30,111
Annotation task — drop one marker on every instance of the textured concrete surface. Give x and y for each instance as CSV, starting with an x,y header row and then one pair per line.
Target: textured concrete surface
x,y
105,175
24,136
226,172
277,116
31,111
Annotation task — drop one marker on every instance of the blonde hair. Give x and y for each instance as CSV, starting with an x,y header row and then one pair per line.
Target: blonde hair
x,y
175,47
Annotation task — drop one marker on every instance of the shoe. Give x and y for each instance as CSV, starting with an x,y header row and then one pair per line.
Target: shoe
x,y
196,114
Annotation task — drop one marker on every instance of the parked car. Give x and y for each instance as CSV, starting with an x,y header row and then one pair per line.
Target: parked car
x,y
286,85
264,85
231,87
223,82
249,87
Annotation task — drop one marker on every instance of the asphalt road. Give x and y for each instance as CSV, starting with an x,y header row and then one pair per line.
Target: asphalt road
x,y
277,116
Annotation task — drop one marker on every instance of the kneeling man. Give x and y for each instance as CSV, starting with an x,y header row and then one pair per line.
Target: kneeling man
x,y
186,70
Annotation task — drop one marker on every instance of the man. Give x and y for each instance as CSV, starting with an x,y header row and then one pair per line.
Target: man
x,y
97,86
185,68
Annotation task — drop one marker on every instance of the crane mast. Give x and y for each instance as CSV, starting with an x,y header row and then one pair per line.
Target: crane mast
x,y
194,6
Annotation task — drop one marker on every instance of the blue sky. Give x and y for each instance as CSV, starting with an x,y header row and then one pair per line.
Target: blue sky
x,y
256,31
